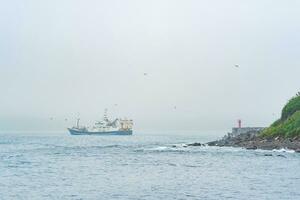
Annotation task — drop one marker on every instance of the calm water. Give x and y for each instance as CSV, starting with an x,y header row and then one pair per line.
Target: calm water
x,y
141,167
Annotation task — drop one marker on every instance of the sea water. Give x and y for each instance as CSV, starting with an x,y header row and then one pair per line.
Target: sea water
x,y
141,166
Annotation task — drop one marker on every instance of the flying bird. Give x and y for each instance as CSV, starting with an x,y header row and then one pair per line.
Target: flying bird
x,y
145,74
237,65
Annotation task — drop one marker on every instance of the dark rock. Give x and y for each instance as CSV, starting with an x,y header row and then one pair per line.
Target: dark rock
x,y
196,144
213,143
281,156
251,147
268,154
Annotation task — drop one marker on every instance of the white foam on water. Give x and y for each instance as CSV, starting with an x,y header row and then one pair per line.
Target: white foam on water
x,y
160,148
180,145
283,150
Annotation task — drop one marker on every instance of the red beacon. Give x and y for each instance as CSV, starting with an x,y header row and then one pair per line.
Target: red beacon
x,y
239,123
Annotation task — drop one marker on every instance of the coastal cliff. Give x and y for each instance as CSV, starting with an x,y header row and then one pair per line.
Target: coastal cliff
x,y
283,133
288,126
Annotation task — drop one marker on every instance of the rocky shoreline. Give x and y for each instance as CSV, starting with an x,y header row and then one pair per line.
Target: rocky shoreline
x,y
254,141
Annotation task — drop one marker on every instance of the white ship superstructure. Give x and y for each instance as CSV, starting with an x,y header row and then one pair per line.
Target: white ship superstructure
x,y
105,127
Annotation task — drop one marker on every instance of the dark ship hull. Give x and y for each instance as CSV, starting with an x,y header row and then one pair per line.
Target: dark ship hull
x,y
85,132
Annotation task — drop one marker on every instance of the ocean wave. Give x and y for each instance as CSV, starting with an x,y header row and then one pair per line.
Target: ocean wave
x,y
90,148
162,149
180,145
283,150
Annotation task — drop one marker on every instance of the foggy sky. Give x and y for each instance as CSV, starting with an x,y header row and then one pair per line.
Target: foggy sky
x,y
70,58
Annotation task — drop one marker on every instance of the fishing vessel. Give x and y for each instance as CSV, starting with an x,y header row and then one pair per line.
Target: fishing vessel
x,y
104,127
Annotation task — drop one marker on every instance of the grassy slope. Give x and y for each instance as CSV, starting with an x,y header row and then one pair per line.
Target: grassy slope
x,y
288,125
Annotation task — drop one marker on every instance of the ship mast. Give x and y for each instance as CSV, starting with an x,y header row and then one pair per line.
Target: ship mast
x,y
77,123
105,115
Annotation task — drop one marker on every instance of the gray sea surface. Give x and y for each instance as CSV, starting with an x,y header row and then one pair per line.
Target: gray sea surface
x,y
141,166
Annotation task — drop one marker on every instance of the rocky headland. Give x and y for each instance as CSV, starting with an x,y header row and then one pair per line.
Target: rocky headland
x,y
255,141
283,133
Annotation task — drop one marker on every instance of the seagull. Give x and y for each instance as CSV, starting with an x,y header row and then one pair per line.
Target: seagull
x,y
175,107
145,74
236,65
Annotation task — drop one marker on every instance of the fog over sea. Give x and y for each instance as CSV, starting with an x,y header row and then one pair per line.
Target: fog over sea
x,y
141,166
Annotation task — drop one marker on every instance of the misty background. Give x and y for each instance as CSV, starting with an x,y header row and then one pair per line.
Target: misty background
x,y
64,59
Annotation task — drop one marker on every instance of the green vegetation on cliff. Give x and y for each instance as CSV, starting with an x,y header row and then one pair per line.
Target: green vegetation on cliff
x,y
288,125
